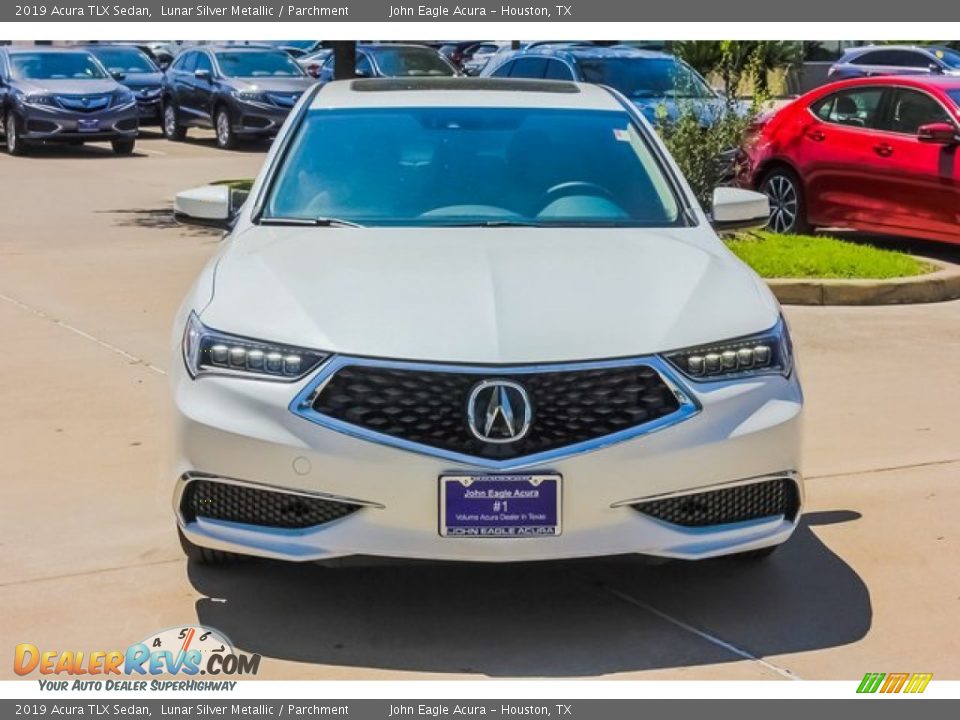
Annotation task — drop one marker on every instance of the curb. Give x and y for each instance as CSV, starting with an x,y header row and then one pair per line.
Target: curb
x,y
938,286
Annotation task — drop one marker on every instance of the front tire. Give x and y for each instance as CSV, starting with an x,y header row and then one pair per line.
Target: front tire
x,y
205,556
123,146
11,128
226,137
788,206
170,123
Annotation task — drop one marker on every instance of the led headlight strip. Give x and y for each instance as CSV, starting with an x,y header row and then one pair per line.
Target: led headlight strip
x,y
766,353
210,352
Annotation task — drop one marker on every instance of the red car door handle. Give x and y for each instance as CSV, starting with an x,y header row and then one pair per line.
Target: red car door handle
x,y
883,150
816,135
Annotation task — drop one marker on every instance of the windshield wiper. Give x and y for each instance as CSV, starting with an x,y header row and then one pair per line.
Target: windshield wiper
x,y
312,222
497,224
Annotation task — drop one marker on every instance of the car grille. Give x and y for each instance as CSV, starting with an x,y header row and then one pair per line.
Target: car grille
x,y
753,501
284,100
430,407
83,103
253,506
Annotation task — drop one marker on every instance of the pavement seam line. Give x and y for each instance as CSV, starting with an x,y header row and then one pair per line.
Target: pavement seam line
x,y
94,571
703,634
890,468
87,336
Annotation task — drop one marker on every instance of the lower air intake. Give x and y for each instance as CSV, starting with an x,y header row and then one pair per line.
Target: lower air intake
x,y
770,498
253,506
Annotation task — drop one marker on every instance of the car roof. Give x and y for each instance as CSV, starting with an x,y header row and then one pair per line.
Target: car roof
x,y
941,82
33,49
852,52
109,45
464,92
390,46
593,52
220,47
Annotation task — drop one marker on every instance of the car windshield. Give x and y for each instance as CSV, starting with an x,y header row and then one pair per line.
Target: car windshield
x,y
950,58
129,61
55,66
441,166
298,44
411,62
646,77
247,63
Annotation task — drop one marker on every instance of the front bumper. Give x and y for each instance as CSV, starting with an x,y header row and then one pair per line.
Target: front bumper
x,y
149,111
242,430
255,118
51,124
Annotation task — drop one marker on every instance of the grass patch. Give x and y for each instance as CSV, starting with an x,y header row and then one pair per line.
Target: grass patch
x,y
243,184
815,256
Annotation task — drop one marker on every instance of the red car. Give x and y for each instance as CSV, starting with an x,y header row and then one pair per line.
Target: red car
x,y
880,154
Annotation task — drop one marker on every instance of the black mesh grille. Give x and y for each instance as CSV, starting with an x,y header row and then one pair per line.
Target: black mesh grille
x,y
430,408
730,505
237,503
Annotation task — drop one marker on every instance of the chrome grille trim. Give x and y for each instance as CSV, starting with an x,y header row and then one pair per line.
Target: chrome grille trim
x,y
302,405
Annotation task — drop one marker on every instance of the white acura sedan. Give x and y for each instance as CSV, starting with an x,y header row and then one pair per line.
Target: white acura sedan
x,y
484,320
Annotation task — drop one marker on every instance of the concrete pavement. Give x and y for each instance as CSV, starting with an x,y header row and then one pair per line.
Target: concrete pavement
x,y
91,271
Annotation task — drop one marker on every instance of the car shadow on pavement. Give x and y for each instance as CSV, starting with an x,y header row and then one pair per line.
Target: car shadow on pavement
x,y
944,251
552,619
61,150
255,145
159,219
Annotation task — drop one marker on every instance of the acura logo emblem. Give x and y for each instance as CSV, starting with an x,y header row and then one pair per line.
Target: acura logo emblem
x,y
85,101
499,411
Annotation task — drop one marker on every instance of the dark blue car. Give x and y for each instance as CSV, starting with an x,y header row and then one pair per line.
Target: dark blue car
x,y
134,69
660,85
63,95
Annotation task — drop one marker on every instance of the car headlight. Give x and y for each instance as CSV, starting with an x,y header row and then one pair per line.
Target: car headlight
x,y
122,98
249,96
150,93
40,100
210,352
766,353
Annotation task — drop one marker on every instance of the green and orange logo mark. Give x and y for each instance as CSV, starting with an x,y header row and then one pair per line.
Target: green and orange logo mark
x,y
894,682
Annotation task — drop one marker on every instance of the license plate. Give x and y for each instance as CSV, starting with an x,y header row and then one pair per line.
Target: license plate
x,y
499,506
88,125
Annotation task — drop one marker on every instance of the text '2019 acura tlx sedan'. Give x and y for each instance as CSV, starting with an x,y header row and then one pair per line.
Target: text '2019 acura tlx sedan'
x,y
562,361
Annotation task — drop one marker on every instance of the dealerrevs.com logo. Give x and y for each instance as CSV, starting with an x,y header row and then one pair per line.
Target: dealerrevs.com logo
x,y
894,682
185,651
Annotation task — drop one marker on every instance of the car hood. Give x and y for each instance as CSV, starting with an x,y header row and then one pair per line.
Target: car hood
x,y
271,84
486,295
136,81
68,87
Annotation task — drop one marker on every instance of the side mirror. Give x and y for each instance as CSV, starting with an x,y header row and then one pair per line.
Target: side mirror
x,y
313,70
736,209
202,75
935,69
941,133
209,206
118,76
